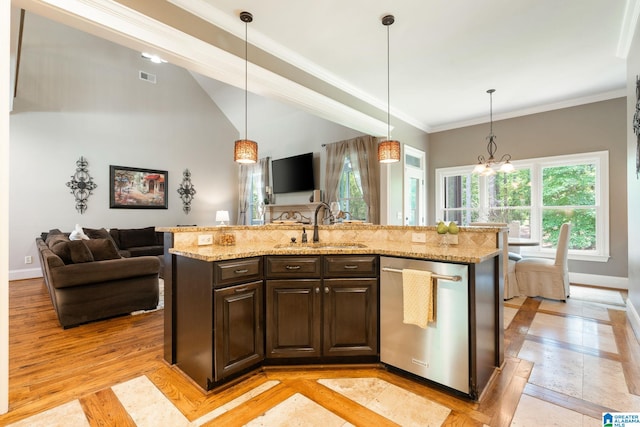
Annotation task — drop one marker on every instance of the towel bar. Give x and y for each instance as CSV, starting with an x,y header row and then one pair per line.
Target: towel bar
x,y
434,275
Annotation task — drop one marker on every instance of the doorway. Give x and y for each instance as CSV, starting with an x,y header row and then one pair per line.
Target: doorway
x,y
415,200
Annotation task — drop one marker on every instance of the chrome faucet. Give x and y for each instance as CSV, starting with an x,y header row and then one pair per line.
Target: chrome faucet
x,y
316,238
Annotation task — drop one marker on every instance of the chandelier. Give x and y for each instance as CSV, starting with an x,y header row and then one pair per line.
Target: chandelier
x,y
488,166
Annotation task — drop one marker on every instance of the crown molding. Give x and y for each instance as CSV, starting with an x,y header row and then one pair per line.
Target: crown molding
x,y
605,96
629,27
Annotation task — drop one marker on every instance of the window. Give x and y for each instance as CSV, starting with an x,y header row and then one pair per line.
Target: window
x,y
350,192
540,194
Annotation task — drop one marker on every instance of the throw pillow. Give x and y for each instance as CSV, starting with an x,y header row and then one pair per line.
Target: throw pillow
x,y
79,252
78,234
96,233
102,249
53,239
136,237
61,248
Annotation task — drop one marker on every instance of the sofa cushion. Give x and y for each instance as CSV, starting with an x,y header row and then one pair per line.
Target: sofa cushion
x,y
102,249
133,237
103,271
79,252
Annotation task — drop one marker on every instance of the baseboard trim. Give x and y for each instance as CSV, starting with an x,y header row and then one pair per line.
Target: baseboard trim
x,y
26,273
612,282
634,319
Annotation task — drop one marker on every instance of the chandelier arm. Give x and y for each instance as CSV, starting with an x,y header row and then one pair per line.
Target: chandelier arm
x,y
505,158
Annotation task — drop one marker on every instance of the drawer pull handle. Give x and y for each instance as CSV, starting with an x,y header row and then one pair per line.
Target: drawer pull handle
x,y
292,267
239,290
350,267
244,270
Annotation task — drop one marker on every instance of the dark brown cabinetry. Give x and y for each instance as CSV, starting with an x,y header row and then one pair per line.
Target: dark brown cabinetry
x,y
321,306
219,319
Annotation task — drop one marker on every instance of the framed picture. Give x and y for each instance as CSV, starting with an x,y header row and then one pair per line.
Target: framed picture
x,y
136,188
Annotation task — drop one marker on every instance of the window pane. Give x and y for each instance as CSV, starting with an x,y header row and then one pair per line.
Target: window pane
x,y
510,189
350,193
569,185
583,227
461,191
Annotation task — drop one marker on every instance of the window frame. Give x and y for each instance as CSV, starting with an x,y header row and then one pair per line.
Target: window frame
x,y
601,161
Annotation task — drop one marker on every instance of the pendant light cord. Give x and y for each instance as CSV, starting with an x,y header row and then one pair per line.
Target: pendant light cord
x,y
388,90
245,78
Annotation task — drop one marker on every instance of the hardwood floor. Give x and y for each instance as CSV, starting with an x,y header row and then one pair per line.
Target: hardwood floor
x,y
50,366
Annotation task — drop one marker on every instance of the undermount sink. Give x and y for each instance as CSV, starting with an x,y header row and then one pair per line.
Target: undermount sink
x,y
327,245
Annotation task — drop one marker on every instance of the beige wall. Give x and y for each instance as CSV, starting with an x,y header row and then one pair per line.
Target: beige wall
x,y
592,127
633,182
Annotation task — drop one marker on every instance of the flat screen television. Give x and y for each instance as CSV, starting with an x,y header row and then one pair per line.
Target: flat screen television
x,y
293,174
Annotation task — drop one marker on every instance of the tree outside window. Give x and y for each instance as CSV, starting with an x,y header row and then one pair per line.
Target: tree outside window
x,y
350,193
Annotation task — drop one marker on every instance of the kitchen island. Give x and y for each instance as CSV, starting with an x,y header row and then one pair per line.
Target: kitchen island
x,y
267,300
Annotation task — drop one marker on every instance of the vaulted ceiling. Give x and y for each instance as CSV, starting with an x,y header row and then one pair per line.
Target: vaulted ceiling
x,y
329,57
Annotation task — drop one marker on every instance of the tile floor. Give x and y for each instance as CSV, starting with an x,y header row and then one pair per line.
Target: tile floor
x,y
565,342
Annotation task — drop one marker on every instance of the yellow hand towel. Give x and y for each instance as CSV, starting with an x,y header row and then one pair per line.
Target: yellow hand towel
x,y
417,297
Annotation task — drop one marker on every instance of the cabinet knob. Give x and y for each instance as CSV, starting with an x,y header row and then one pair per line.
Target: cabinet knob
x,y
326,289
317,290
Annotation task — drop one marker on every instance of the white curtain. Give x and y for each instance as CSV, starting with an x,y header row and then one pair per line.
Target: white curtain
x,y
363,153
257,173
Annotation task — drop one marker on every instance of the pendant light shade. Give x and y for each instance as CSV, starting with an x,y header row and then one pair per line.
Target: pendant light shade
x,y
388,150
245,150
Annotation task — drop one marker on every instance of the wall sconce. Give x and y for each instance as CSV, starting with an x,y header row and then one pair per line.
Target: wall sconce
x,y
81,184
222,216
186,191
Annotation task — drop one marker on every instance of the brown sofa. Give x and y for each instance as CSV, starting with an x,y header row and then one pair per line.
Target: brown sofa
x,y
89,280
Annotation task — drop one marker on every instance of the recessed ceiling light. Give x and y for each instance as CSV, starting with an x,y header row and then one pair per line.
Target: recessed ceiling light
x,y
153,58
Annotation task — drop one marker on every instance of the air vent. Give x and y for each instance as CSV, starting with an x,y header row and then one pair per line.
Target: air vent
x,y
151,78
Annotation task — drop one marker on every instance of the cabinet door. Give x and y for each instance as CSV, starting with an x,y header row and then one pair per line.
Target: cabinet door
x,y
293,318
238,329
350,317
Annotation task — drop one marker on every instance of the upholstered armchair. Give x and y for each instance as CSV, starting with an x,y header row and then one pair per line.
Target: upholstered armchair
x,y
548,278
508,261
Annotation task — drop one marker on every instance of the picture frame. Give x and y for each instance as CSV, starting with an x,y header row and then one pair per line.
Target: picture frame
x,y
137,188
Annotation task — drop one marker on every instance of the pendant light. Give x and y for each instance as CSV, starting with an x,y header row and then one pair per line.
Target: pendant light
x,y
388,150
245,150
487,167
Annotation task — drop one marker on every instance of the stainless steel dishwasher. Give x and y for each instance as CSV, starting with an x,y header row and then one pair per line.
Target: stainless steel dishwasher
x,y
439,352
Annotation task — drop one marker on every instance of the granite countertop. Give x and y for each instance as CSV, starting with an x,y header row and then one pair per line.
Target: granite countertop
x,y
451,253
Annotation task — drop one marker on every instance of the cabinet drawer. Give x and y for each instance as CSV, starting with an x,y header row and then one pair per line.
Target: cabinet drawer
x,y
293,266
236,271
350,266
